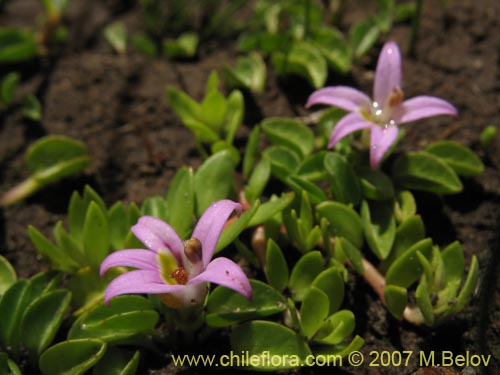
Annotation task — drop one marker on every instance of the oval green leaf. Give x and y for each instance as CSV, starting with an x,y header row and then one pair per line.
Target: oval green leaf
x,y
72,357
226,307
289,133
463,161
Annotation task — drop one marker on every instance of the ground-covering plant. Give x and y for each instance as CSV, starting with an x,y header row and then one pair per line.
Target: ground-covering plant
x,y
297,211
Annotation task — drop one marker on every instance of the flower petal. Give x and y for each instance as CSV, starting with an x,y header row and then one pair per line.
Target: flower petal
x,y
340,96
225,272
157,235
139,258
140,282
380,141
347,125
422,107
209,227
388,73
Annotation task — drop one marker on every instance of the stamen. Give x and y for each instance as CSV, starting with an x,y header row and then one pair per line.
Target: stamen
x,y
396,96
180,275
192,250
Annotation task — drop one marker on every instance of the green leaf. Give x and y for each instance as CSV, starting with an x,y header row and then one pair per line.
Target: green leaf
x,y
184,46
116,35
405,270
304,59
363,36
274,206
454,263
11,311
249,72
333,46
312,167
225,307
379,226
344,221
95,235
8,86
17,45
376,185
57,256
352,252
299,185
258,180
396,298
7,275
276,267
251,152
283,160
258,338
69,245
154,206
313,311
289,133
144,44
469,287
124,318
213,110
232,232
72,357
32,109
234,114
344,183
213,180
330,281
181,201
118,225
42,320
463,161
405,206
333,352
336,328
303,274
408,233
117,362
424,171
54,157
385,15
423,297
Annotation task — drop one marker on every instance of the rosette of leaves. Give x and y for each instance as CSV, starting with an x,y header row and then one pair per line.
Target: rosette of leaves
x,y
215,120
93,232
318,326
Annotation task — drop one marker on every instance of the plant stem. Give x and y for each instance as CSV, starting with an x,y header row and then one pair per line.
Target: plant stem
x,y
19,192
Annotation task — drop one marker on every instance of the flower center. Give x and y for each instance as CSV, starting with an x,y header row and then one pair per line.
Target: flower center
x,y
170,271
180,275
381,113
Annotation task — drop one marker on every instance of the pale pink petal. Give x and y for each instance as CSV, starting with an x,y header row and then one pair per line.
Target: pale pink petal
x,y
388,73
340,96
157,235
225,272
139,282
347,125
381,139
422,107
209,227
138,258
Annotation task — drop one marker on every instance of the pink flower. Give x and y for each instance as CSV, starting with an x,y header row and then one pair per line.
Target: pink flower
x,y
385,112
177,270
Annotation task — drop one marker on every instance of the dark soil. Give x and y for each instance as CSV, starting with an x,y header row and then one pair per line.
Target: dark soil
x,y
117,106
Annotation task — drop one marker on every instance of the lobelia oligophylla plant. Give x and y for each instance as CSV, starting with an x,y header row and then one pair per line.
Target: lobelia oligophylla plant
x,y
333,209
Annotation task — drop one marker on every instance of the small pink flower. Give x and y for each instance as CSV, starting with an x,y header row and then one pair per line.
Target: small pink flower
x,y
177,270
385,112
